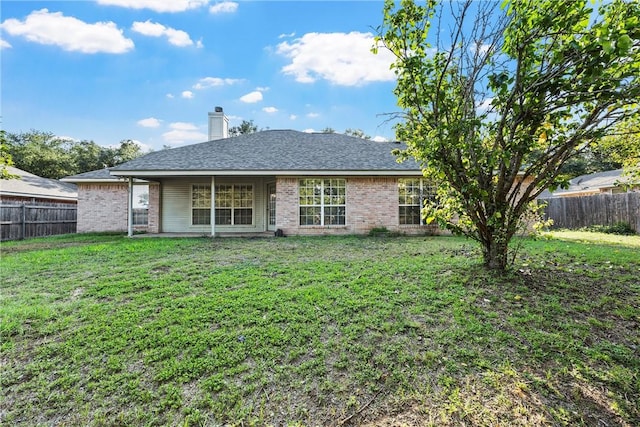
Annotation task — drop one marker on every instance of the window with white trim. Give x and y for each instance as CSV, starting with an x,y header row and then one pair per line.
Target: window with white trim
x,y
200,204
322,201
234,204
412,194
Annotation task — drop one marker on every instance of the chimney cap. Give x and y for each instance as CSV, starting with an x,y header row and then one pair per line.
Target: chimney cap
x,y
218,109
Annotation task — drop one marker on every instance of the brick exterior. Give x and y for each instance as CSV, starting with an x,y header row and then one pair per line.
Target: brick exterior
x,y
371,202
154,209
103,207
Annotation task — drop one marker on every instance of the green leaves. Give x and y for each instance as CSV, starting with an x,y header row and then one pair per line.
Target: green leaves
x,y
496,129
49,156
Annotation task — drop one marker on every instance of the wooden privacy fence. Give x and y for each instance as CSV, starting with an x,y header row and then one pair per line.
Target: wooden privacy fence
x,y
21,221
601,209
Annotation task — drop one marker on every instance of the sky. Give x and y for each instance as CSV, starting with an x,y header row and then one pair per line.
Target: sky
x,y
151,70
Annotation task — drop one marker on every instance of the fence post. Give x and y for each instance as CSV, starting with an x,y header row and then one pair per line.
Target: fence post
x,y
24,221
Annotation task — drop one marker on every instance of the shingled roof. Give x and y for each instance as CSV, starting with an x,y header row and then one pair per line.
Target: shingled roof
x,y
30,185
273,152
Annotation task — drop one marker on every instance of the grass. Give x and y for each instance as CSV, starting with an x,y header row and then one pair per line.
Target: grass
x,y
102,330
590,237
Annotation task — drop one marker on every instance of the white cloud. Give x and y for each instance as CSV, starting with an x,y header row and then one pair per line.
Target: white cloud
x,y
183,133
340,58
153,29
199,44
287,36
183,126
69,33
224,7
480,48
150,122
187,94
485,105
145,148
157,5
262,88
313,115
270,110
293,117
252,97
67,138
379,138
310,130
5,44
170,96
207,82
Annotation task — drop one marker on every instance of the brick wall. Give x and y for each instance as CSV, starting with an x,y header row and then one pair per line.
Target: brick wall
x,y
154,208
371,202
103,207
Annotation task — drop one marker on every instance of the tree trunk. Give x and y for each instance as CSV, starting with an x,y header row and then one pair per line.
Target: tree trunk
x,y
494,253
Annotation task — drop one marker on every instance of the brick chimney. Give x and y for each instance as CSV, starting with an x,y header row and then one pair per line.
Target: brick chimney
x,y
218,124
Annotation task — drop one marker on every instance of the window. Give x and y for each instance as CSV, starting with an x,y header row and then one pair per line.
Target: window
x,y
322,201
201,204
140,205
412,195
234,204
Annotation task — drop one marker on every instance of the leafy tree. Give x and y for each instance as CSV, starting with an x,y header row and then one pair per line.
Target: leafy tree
x,y
592,160
5,158
42,153
328,130
88,156
493,108
128,150
46,155
247,126
623,147
358,133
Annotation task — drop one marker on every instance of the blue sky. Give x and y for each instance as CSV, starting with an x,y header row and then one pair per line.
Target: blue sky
x,y
150,70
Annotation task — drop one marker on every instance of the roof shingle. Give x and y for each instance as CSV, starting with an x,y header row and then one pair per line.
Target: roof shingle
x,y
275,150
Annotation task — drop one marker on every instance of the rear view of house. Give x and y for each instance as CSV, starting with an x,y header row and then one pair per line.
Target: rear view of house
x,y
300,183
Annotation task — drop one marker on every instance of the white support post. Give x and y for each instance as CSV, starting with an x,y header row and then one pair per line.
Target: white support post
x,y
130,208
213,206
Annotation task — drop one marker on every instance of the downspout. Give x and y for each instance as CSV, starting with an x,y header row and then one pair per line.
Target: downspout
x,y
213,206
130,209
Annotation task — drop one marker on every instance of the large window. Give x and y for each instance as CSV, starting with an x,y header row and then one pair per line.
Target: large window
x,y
233,204
322,201
201,204
412,194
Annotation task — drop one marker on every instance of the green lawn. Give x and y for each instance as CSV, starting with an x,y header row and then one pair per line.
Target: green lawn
x,y
104,330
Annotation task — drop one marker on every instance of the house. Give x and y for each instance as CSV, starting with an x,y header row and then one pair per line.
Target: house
x,y
33,189
299,183
103,202
607,182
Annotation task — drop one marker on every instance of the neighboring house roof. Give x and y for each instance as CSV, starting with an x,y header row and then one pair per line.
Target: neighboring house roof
x,y
591,184
30,185
283,152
